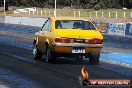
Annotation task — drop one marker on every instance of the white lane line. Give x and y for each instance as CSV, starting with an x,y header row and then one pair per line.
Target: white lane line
x,y
111,52
117,63
116,67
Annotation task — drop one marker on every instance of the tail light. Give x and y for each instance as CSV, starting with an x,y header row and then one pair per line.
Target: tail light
x,y
63,40
94,41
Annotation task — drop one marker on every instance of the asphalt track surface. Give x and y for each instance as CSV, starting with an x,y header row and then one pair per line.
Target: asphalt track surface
x,y
63,73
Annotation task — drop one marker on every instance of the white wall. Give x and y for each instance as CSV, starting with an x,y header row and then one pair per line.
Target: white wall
x,y
2,19
25,21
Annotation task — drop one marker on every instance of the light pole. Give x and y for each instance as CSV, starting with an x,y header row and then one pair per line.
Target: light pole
x,y
55,9
4,8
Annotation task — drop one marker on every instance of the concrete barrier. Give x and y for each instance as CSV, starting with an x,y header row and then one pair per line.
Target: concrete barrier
x,y
112,28
25,21
121,27
117,28
128,29
2,19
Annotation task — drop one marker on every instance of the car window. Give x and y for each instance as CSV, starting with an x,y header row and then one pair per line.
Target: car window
x,y
88,25
45,26
49,25
74,24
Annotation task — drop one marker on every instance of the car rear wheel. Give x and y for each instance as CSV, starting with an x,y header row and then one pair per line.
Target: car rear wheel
x,y
94,59
50,57
36,54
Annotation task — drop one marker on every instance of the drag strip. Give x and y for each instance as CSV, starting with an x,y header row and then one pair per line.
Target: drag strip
x,y
64,73
121,56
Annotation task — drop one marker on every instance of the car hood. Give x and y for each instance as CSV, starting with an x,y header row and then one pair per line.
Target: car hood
x,y
73,33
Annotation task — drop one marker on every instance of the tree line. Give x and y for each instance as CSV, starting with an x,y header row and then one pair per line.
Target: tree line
x,y
85,4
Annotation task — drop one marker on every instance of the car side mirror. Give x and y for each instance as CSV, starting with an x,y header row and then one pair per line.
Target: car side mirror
x,y
41,29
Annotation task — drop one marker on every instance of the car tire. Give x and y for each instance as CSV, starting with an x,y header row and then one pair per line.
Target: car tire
x,y
50,57
94,59
36,53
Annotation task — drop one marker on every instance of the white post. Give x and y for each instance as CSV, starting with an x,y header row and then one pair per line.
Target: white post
x,y
29,13
109,15
4,8
102,14
74,13
116,15
41,12
79,13
131,14
55,9
124,15
96,14
90,14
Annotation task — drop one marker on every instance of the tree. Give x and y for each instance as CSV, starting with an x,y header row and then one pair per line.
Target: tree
x,y
72,3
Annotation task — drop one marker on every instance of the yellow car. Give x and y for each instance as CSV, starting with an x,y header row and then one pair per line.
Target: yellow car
x,y
67,37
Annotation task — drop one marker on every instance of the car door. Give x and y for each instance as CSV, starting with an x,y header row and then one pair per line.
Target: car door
x,y
42,37
48,32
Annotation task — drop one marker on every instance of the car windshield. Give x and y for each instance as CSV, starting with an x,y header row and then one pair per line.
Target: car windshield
x,y
74,24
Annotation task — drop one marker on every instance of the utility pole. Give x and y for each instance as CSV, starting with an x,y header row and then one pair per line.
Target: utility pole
x,y
55,9
4,8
